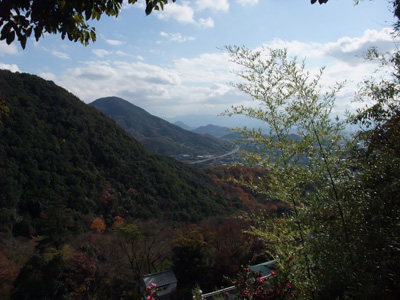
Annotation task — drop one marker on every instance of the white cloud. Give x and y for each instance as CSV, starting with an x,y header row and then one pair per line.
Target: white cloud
x,y
8,49
113,42
205,68
149,73
299,49
12,67
48,76
342,58
122,53
199,84
99,78
60,54
213,5
101,52
206,23
183,13
176,37
56,53
247,2
187,85
345,49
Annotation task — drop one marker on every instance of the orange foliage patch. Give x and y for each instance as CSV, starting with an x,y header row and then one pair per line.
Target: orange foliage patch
x,y
118,220
98,225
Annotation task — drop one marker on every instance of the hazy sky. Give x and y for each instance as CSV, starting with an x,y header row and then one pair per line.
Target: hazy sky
x,y
171,63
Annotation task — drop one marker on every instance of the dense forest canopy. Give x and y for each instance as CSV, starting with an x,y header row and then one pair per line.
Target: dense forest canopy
x,y
56,149
84,208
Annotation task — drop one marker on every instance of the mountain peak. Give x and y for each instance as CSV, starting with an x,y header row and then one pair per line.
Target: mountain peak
x,y
117,106
156,134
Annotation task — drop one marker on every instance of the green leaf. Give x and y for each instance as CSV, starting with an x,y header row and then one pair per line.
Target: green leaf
x,y
10,38
93,34
22,40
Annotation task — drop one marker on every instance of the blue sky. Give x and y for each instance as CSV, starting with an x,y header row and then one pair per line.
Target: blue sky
x,y
171,63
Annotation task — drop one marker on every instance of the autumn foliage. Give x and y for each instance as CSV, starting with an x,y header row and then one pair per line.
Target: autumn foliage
x,y
98,225
118,221
79,274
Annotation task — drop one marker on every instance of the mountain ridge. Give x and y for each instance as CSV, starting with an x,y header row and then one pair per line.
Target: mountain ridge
x,y
156,134
183,125
214,130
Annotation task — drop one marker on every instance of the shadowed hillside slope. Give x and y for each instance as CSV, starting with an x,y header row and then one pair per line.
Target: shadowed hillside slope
x,y
59,153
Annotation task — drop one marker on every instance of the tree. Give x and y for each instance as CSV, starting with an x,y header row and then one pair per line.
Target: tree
x,y
190,247
302,149
144,246
79,274
40,279
56,223
21,18
377,164
98,225
342,230
232,246
4,110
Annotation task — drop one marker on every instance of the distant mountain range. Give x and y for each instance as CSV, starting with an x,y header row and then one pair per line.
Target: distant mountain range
x,y
158,135
195,121
214,130
183,126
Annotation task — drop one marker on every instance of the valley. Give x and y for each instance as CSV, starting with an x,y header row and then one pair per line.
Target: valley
x,y
228,158
202,146
79,192
158,135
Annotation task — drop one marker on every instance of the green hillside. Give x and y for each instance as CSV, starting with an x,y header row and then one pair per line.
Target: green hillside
x,y
156,134
57,152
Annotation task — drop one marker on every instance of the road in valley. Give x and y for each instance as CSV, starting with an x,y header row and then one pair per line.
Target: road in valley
x,y
237,147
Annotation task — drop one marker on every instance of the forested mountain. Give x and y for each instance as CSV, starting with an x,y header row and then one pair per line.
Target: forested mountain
x,y
86,210
59,153
156,134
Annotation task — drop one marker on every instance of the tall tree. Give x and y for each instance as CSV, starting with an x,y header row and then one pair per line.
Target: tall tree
x,y
303,170
40,279
342,232
144,246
